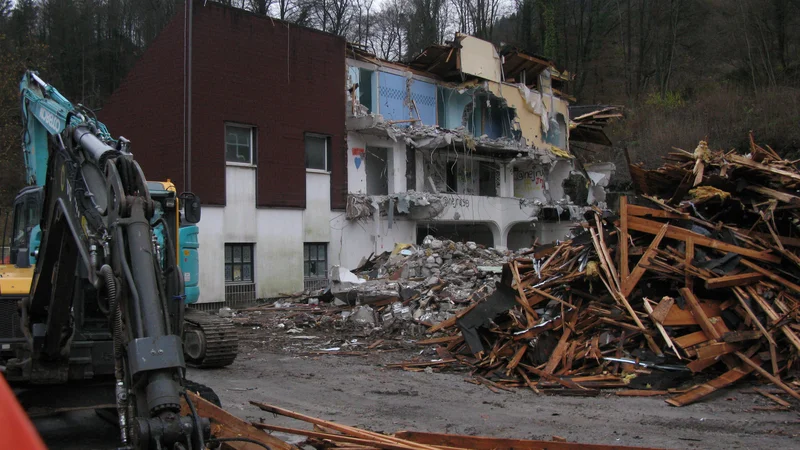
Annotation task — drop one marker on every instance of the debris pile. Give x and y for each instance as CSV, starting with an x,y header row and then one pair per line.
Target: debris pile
x,y
697,285
421,285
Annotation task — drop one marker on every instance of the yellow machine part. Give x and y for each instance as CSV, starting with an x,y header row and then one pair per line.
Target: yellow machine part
x,y
14,280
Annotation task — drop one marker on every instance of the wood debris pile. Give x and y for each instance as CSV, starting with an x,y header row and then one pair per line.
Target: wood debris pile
x,y
696,285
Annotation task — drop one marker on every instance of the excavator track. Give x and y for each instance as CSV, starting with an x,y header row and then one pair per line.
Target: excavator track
x,y
208,341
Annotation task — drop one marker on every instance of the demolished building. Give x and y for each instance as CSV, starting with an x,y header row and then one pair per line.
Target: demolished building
x,y
464,142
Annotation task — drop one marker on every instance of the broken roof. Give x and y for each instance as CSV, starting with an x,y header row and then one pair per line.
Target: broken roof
x,y
588,122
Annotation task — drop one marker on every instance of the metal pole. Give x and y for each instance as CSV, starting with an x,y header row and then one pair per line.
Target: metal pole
x,y
189,114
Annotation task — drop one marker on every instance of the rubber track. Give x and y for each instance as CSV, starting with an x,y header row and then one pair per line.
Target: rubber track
x,y
222,340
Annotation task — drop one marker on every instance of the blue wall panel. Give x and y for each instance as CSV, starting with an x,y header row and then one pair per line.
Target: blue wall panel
x,y
424,95
392,95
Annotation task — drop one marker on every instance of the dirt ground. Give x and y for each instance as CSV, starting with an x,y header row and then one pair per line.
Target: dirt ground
x,y
284,369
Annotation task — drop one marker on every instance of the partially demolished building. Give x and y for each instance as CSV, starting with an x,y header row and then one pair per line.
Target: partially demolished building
x,y
465,142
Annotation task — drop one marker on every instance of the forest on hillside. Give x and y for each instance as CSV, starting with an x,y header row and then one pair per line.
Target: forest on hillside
x,y
684,69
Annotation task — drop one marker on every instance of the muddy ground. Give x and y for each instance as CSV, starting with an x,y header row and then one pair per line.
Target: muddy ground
x,y
286,370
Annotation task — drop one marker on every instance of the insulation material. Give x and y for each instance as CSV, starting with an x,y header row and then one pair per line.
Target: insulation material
x,y
480,58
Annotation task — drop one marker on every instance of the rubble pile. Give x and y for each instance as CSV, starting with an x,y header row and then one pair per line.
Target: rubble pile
x,y
696,285
421,285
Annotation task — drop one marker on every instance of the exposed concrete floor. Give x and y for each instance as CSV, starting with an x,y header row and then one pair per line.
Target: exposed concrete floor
x,y
359,391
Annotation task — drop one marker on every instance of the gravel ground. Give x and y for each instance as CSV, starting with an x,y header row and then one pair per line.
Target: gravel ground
x,y
281,368
274,367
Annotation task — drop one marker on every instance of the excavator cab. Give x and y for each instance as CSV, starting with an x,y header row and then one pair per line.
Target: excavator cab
x,y
25,234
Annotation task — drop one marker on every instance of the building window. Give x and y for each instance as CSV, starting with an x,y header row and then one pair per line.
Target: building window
x,y
238,263
317,152
315,260
239,144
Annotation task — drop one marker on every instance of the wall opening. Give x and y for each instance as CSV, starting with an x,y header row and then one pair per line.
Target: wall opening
x,y
365,88
377,171
577,187
557,133
521,235
488,179
480,233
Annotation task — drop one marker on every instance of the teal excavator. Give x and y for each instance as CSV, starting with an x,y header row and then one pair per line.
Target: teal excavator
x,y
102,267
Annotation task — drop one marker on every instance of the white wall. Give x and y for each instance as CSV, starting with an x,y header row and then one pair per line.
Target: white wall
x,y
357,174
352,240
278,234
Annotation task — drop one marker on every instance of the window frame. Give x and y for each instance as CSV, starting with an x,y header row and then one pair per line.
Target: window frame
x,y
327,152
252,130
241,263
307,261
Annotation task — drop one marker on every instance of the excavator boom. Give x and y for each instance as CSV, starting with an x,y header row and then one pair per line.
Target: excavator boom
x,y
106,297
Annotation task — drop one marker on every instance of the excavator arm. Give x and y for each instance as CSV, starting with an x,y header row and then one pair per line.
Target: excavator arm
x,y
99,257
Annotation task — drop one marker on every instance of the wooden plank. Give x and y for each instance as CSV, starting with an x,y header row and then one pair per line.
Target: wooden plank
x,y
640,393
716,350
659,313
701,390
225,424
491,443
755,364
700,365
772,276
643,211
699,315
740,296
773,397
440,340
689,279
741,279
330,436
774,317
682,317
747,162
691,339
561,347
350,431
661,329
673,232
624,238
629,284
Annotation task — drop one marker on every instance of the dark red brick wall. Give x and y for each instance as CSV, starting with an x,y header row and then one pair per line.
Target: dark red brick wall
x,y
240,74
147,108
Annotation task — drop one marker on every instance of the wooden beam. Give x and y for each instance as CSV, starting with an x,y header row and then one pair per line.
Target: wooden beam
x,y
661,329
747,162
755,364
225,424
673,232
332,437
350,431
769,274
643,211
741,279
774,317
491,443
701,390
777,195
699,314
624,268
629,284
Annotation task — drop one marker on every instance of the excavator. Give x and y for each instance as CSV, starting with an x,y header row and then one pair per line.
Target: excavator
x,y
95,288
